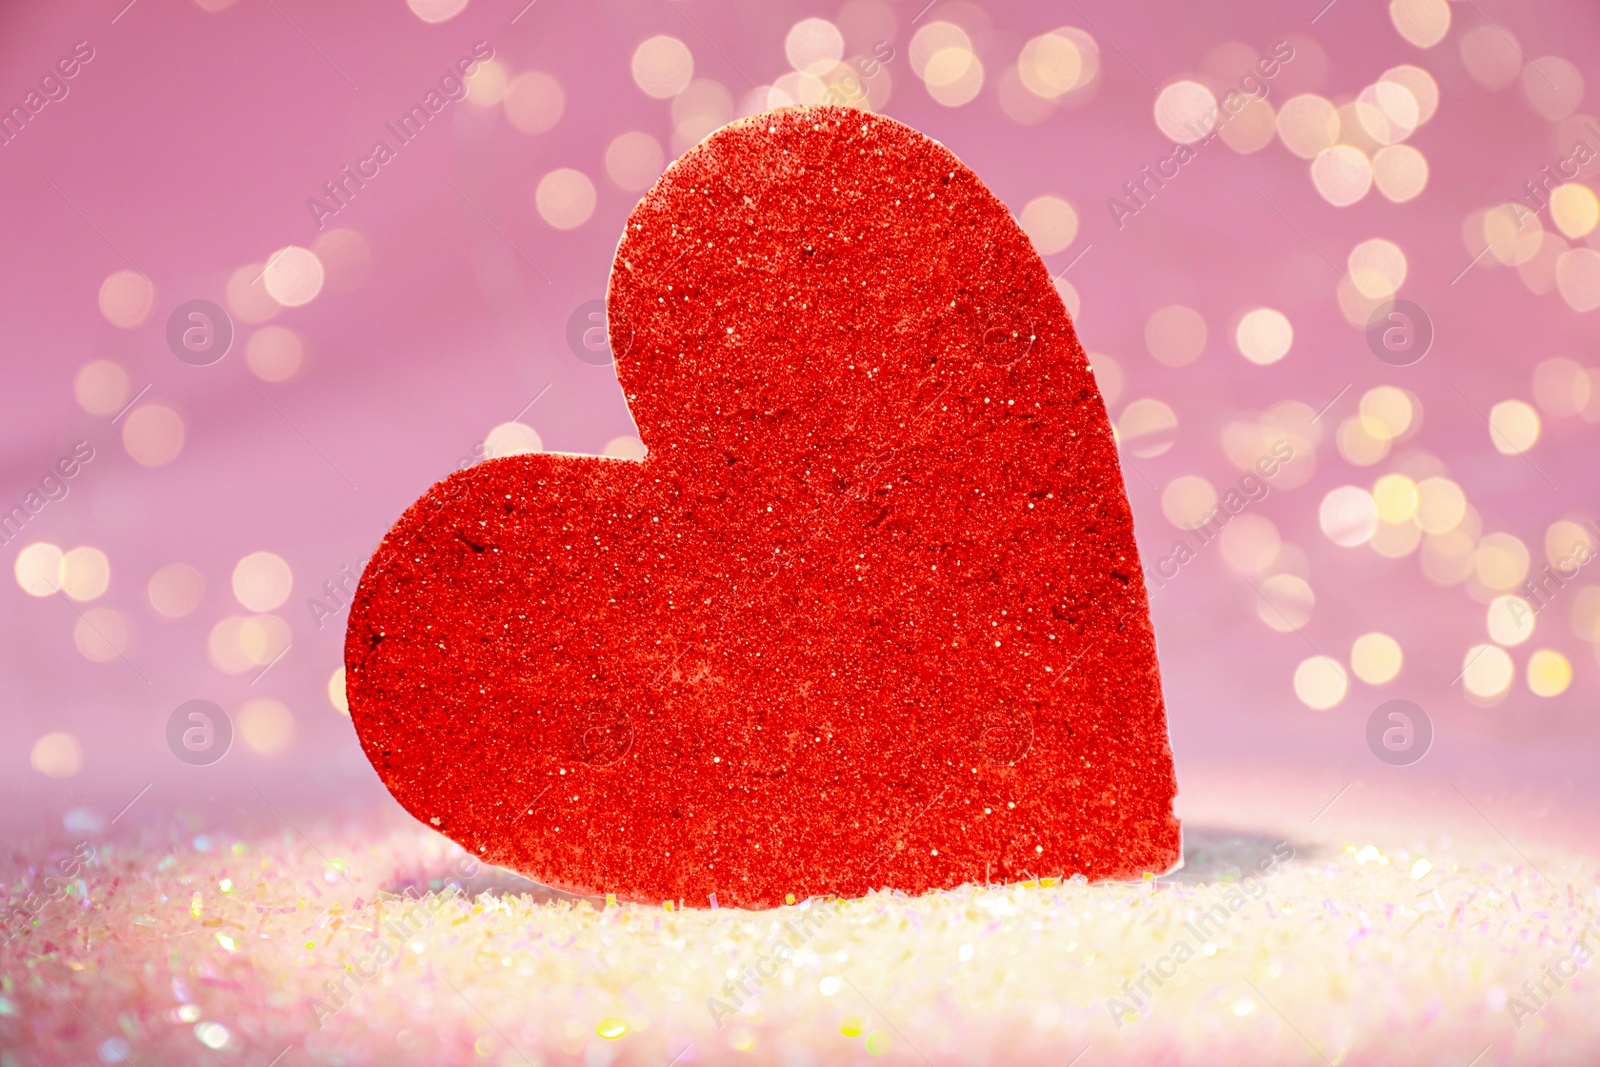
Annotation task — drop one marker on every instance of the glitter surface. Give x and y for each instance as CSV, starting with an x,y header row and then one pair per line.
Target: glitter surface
x,y
366,941
870,612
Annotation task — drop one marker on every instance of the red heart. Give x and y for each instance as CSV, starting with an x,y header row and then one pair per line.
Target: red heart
x,y
870,612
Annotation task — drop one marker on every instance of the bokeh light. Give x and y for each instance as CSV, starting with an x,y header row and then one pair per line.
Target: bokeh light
x,y
274,353
634,160
1400,172
1188,501
101,635
533,102
1175,335
57,755
153,435
1376,658
1147,428
101,387
813,45
511,439
1320,683
175,590
662,66
1285,602
1264,335
1186,112
436,10
293,276
38,569
266,726
126,297
1549,673
85,573
1341,174
1423,23
565,198
1050,223
346,259
262,581
1348,516
1514,427
1510,620
1487,671
1308,124
625,447
336,692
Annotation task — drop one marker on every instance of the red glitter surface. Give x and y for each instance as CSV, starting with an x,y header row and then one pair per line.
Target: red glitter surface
x,y
869,613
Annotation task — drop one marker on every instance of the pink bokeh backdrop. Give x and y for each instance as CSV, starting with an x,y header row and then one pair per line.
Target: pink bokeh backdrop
x,y
188,147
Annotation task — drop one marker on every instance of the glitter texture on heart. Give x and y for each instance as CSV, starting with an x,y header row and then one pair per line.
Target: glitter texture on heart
x,y
868,614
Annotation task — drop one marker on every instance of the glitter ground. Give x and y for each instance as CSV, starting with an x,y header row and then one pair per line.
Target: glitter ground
x,y
207,949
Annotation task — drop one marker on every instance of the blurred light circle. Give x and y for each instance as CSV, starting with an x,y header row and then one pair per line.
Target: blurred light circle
x,y
1400,172
1549,673
932,38
1147,428
1491,55
1052,65
1396,540
1421,22
346,258
1390,408
293,276
1264,336
175,590
263,638
1175,335
337,696
85,573
1514,427
101,635
1553,86
1574,209
247,295
57,755
1348,516
1308,124
153,435
1286,602
1487,671
101,387
274,353
1510,620
1388,112
1252,127
38,569
798,87
436,10
1514,236
1186,112
1501,561
126,297
1320,683
813,45
1050,223
1341,174
1377,268
262,581
533,102
662,66
1188,501
634,161
266,726
625,447
1376,658
224,646
1578,277
1396,497
487,83
1070,298
511,439
565,198
1441,505
1424,90
953,76
1362,440
1567,544
1250,544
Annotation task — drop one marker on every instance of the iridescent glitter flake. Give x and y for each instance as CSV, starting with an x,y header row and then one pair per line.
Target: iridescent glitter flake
x,y
870,612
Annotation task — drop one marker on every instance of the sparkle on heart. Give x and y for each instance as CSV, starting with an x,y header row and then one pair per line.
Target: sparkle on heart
x,y
868,614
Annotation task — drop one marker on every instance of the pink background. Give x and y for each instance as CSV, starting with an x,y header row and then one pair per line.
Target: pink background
x,y
192,141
